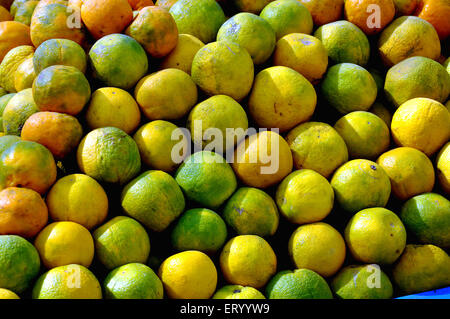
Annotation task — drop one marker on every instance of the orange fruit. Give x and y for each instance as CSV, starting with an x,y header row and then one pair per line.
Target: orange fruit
x,y
363,14
166,4
13,34
156,30
22,212
437,12
27,164
4,14
139,4
103,17
324,11
60,133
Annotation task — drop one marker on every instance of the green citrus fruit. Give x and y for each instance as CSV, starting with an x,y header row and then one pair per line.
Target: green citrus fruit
x,y
154,199
133,281
120,241
298,284
199,229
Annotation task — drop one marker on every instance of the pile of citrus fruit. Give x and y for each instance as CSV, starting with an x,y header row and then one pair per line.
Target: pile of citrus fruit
x,y
224,149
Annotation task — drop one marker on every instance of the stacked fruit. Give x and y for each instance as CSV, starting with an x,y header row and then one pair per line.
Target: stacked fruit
x,y
265,149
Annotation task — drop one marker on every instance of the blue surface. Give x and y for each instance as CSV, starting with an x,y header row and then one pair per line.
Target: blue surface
x,y
443,293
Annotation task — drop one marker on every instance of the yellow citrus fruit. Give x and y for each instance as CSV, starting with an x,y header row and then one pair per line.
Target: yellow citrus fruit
x,y
375,235
109,155
166,95
303,53
251,211
262,159
366,135
251,32
182,56
237,292
411,172
298,284
188,275
305,196
78,198
281,98
362,282
324,11
166,4
8,294
156,141
223,67
360,184
248,260
154,198
421,123
219,113
24,75
443,167
317,146
416,77
67,282
360,12
349,87
382,112
11,62
345,42
64,243
406,37
287,17
120,241
317,247
422,268
427,217
113,107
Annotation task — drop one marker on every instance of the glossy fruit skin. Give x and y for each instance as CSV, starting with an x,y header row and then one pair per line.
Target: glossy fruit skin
x,y
155,29
133,281
60,133
109,65
104,17
27,164
324,11
13,34
360,13
183,54
24,212
437,13
421,123
188,275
